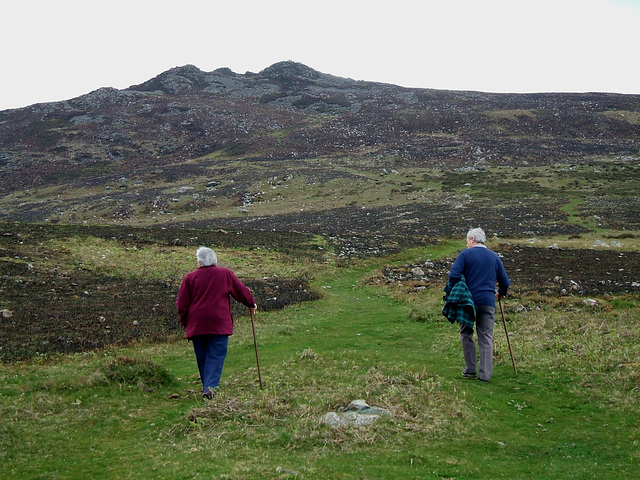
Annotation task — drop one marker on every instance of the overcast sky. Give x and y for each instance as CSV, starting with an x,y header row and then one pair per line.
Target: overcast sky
x,y
59,49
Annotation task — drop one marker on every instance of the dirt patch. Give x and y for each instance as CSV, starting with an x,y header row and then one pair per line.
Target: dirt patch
x,y
567,271
550,271
47,311
53,312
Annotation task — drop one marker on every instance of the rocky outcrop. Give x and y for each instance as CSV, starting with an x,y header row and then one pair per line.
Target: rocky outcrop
x,y
186,122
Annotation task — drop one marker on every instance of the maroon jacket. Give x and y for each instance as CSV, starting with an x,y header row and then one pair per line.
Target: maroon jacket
x,y
204,304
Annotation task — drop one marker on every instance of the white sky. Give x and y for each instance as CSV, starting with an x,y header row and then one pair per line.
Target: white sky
x,y
59,49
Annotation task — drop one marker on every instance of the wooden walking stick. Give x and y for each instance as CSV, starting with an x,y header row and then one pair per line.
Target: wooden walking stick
x,y
255,344
513,362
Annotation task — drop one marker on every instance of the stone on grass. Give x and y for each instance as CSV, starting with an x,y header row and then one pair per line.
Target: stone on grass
x,y
357,413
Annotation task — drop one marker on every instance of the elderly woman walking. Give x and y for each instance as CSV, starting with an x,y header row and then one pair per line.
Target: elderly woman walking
x,y
204,310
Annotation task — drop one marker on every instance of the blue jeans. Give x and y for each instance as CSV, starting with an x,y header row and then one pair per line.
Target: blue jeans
x,y
210,351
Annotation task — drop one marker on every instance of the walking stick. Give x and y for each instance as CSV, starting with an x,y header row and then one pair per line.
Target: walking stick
x,y
255,344
513,362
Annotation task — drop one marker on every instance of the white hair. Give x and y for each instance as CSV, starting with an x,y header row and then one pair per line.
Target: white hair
x,y
477,234
206,256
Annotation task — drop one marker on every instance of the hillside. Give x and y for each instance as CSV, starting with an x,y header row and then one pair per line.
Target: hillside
x,y
291,148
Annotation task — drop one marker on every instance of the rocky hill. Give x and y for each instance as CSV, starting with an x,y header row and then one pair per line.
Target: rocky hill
x,y
291,147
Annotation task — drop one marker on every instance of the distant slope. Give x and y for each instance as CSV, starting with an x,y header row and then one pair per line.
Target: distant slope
x,y
189,128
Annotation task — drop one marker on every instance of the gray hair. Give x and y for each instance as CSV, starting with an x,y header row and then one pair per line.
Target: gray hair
x,y
206,256
477,234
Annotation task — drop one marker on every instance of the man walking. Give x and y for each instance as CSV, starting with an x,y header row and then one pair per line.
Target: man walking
x,y
481,269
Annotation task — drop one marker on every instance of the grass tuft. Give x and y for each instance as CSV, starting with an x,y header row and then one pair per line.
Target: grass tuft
x,y
142,373
288,413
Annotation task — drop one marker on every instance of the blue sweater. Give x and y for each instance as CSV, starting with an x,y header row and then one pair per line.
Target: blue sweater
x,y
482,269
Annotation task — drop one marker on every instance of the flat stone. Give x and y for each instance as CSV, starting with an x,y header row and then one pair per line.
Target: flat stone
x,y
357,413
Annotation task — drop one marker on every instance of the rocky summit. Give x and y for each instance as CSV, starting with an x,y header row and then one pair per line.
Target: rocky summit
x,y
291,147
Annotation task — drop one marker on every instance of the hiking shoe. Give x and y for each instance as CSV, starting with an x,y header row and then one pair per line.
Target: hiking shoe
x,y
209,394
466,374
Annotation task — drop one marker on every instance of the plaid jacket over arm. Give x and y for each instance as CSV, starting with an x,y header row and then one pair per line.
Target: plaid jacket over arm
x,y
459,306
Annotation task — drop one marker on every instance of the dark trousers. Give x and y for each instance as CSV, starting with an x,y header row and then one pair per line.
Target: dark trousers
x,y
485,319
210,351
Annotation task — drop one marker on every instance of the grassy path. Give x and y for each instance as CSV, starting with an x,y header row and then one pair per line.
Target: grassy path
x,y
357,342
532,425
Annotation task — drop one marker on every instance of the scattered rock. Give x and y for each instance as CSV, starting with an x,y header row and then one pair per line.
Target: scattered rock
x,y
286,471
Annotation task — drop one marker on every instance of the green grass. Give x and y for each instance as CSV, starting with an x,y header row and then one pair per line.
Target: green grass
x,y
570,412
156,262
